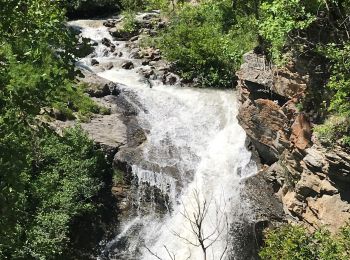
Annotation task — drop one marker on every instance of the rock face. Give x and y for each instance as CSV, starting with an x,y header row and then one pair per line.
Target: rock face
x,y
312,181
264,210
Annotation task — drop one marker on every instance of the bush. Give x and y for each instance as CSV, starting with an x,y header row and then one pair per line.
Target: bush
x,y
59,180
204,44
335,130
142,5
296,243
47,181
279,18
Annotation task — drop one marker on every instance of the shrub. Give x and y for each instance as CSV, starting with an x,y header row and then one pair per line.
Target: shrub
x,y
278,19
203,43
295,242
141,5
335,130
58,181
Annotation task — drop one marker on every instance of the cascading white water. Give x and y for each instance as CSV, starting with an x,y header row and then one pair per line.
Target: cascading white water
x,y
199,148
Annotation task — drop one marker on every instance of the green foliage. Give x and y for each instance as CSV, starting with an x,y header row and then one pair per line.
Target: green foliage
x,y
335,130
279,19
118,177
46,181
55,182
142,5
74,103
339,81
205,44
295,242
129,23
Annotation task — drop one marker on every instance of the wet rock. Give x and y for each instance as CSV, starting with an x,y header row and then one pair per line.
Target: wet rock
x,y
170,79
94,62
128,65
99,87
262,209
121,35
108,66
119,54
85,47
146,72
134,38
135,54
109,23
161,25
106,42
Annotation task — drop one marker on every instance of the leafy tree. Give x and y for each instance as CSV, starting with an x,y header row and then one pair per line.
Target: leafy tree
x,y
279,19
46,181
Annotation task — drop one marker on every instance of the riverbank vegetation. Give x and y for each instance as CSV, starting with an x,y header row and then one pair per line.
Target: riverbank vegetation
x,y
296,243
47,181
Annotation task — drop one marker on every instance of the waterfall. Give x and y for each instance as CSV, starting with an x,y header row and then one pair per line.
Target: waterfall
x,y
194,155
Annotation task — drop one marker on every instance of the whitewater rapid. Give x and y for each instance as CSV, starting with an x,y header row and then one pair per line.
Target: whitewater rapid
x,y
194,139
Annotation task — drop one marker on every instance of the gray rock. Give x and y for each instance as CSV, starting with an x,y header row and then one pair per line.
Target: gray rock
x,y
128,65
134,38
314,158
106,42
94,62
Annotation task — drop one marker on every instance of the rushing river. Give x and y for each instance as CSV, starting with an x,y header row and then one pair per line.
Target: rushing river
x,y
195,140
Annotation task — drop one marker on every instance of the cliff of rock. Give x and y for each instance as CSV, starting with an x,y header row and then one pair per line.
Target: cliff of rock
x,y
311,180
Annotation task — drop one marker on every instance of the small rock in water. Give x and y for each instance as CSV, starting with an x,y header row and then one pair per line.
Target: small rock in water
x,y
146,72
135,38
152,63
145,62
109,23
109,66
135,53
106,42
94,62
153,77
128,65
169,78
